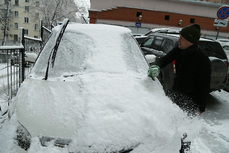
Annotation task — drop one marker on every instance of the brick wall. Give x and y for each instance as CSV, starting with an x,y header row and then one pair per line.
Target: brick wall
x,y
153,17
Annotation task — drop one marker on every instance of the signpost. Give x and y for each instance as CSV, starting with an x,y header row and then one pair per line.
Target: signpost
x,y
222,14
138,24
221,23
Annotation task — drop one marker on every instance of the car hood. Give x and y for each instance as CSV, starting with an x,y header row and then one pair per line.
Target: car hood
x,y
96,108
45,107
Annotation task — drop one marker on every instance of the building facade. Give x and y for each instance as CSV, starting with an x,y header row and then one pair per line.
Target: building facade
x,y
217,1
22,13
157,13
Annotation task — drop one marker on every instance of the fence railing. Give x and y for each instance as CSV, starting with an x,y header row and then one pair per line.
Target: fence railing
x,y
15,60
15,70
15,66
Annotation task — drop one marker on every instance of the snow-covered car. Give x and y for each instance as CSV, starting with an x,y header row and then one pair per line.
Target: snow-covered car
x,y
30,58
89,92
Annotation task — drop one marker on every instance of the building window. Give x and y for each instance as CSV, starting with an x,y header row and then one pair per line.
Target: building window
x,y
16,14
36,27
138,14
15,37
16,25
26,20
37,15
16,2
37,3
26,32
167,17
192,20
27,8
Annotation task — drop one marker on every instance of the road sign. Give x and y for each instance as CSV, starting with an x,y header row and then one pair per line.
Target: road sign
x,y
223,12
138,24
220,23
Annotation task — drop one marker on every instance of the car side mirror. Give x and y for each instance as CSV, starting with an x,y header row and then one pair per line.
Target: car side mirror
x,y
150,58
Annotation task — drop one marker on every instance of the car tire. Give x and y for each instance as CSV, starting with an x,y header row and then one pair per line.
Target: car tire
x,y
218,77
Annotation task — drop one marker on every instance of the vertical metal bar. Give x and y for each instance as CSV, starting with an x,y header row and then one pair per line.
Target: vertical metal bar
x,y
217,33
15,63
18,69
8,80
22,42
11,73
41,33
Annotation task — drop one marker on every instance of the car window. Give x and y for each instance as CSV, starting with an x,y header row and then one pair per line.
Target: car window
x,y
80,53
66,54
212,49
226,48
157,43
148,42
167,45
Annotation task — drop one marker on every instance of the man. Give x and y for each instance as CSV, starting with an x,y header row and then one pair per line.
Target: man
x,y
191,84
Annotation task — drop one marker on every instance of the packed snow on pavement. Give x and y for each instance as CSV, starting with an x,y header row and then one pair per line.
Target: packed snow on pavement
x,y
158,132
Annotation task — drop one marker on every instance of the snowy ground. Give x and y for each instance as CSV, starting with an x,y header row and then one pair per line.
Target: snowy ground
x,y
208,133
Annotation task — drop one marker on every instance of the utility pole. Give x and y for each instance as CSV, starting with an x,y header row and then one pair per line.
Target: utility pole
x,y
6,25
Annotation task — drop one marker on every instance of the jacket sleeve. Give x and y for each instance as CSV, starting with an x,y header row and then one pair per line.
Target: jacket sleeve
x,y
168,58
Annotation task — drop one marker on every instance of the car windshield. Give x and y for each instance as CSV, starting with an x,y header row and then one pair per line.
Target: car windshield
x,y
81,52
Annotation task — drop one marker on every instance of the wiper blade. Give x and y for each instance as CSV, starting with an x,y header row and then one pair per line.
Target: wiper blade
x,y
55,48
58,41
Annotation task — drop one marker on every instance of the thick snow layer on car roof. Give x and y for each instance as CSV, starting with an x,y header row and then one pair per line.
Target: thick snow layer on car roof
x,y
166,30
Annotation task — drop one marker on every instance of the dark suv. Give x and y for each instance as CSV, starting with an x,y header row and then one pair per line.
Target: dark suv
x,y
160,44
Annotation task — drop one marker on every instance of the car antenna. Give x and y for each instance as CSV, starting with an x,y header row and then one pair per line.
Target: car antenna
x,y
55,48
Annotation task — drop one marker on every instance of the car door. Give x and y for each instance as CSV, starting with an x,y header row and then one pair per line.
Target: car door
x,y
160,46
167,73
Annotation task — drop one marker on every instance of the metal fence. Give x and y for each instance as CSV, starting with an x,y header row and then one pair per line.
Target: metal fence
x,y
15,69
15,59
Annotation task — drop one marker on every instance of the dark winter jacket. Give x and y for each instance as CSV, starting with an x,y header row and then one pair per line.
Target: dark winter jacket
x,y
193,72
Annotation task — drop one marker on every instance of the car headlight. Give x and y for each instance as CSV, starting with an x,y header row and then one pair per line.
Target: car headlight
x,y
59,142
23,137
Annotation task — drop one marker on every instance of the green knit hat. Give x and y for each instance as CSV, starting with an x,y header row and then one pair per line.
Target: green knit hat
x,y
191,33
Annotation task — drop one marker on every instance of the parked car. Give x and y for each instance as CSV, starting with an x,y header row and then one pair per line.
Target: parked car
x,y
225,44
89,91
140,38
160,44
170,30
30,58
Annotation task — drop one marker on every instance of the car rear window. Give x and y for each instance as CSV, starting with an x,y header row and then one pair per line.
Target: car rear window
x,y
212,49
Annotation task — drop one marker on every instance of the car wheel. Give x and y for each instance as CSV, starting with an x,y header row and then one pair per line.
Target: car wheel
x,y
218,73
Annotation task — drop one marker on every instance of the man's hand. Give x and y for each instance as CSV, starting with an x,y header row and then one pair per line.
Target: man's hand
x,y
153,71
